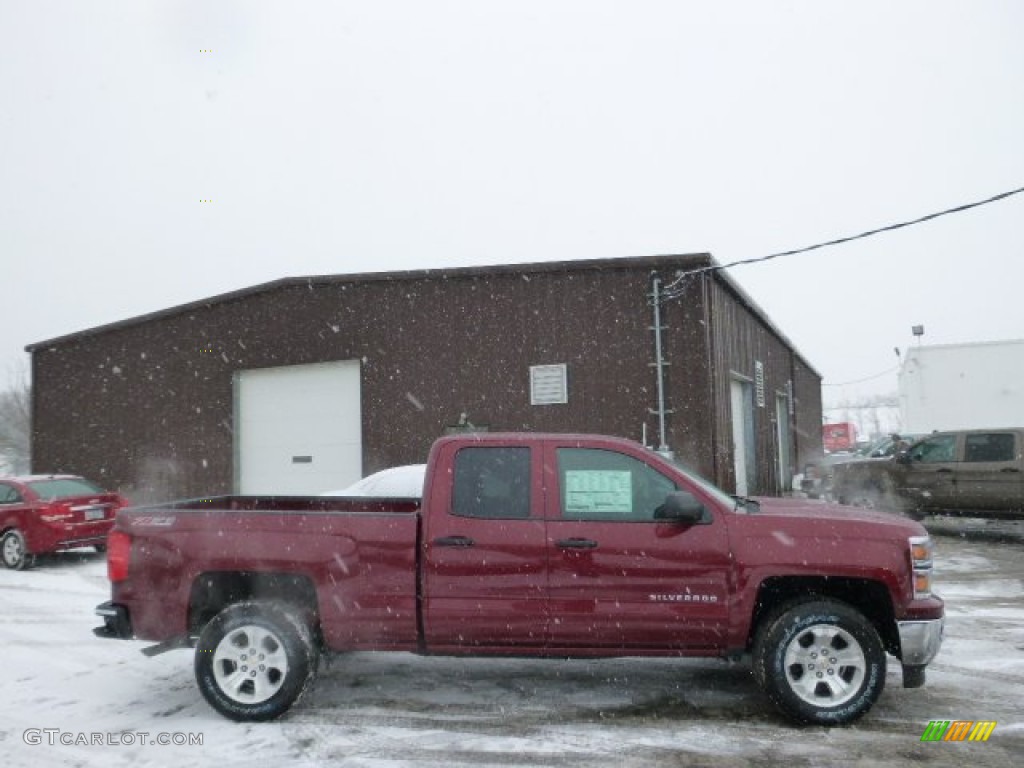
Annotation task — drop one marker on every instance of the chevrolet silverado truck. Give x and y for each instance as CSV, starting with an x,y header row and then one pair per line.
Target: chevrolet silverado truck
x,y
538,545
973,473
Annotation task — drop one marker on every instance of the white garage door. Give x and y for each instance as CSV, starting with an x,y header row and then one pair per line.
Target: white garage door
x,y
298,428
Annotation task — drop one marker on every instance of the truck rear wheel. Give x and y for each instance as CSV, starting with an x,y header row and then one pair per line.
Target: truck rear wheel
x,y
254,660
820,662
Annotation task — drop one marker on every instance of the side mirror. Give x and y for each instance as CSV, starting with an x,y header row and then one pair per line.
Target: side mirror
x,y
903,457
680,507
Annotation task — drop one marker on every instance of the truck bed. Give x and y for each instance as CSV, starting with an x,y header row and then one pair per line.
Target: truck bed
x,y
353,559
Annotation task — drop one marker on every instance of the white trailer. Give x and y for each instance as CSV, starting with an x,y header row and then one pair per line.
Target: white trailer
x,y
962,386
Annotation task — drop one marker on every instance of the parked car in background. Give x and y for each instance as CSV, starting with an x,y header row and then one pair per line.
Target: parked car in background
x,y
818,476
970,473
887,446
47,513
404,482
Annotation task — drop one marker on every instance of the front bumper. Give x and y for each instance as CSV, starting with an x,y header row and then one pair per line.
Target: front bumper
x,y
117,624
920,641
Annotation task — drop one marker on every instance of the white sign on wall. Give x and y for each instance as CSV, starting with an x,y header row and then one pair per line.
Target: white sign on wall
x,y
759,383
548,385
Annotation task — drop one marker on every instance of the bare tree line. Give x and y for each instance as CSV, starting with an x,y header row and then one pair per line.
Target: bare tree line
x,y
16,423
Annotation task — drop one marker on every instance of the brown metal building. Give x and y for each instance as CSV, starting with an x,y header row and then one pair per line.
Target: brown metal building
x,y
305,384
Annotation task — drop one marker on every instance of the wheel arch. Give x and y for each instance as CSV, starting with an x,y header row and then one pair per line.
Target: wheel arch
x,y
214,591
869,597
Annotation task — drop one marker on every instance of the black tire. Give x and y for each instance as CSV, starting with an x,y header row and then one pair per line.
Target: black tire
x,y
820,662
14,552
254,660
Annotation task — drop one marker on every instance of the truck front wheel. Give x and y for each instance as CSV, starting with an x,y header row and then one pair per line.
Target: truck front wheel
x,y
820,662
254,660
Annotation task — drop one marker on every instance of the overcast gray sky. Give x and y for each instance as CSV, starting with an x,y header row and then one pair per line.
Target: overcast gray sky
x,y
341,137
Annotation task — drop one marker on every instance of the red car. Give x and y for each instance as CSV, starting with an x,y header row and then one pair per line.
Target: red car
x,y
47,513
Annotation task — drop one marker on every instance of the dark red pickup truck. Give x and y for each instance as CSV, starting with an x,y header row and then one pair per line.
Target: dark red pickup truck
x,y
530,545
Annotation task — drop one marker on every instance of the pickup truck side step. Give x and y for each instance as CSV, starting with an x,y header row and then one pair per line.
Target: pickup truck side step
x,y
173,644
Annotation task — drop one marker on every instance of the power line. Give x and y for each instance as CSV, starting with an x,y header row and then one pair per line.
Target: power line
x,y
865,407
839,241
869,233
861,381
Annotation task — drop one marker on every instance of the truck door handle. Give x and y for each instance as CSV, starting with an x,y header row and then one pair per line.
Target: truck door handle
x,y
576,544
454,541
943,471
1009,469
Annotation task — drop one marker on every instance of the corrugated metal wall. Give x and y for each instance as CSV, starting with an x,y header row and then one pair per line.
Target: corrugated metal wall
x,y
740,341
807,397
147,405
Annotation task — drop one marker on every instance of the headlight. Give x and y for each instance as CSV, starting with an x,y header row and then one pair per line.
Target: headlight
x,y
921,565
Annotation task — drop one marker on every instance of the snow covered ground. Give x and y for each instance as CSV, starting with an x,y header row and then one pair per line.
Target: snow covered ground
x,y
60,683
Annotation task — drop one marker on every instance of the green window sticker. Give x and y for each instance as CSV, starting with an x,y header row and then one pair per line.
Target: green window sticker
x,y
598,490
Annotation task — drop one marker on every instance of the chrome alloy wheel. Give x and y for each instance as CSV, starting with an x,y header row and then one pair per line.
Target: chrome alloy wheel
x,y
12,550
825,665
250,664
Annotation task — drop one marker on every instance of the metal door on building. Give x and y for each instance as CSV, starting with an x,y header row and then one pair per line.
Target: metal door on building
x,y
744,458
298,429
783,437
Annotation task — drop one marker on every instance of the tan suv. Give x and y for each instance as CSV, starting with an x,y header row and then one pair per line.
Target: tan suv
x,y
973,473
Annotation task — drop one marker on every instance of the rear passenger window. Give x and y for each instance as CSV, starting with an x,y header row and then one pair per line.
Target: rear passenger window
x,y
997,446
492,482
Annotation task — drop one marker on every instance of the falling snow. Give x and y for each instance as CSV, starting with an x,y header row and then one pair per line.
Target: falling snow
x,y
390,710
